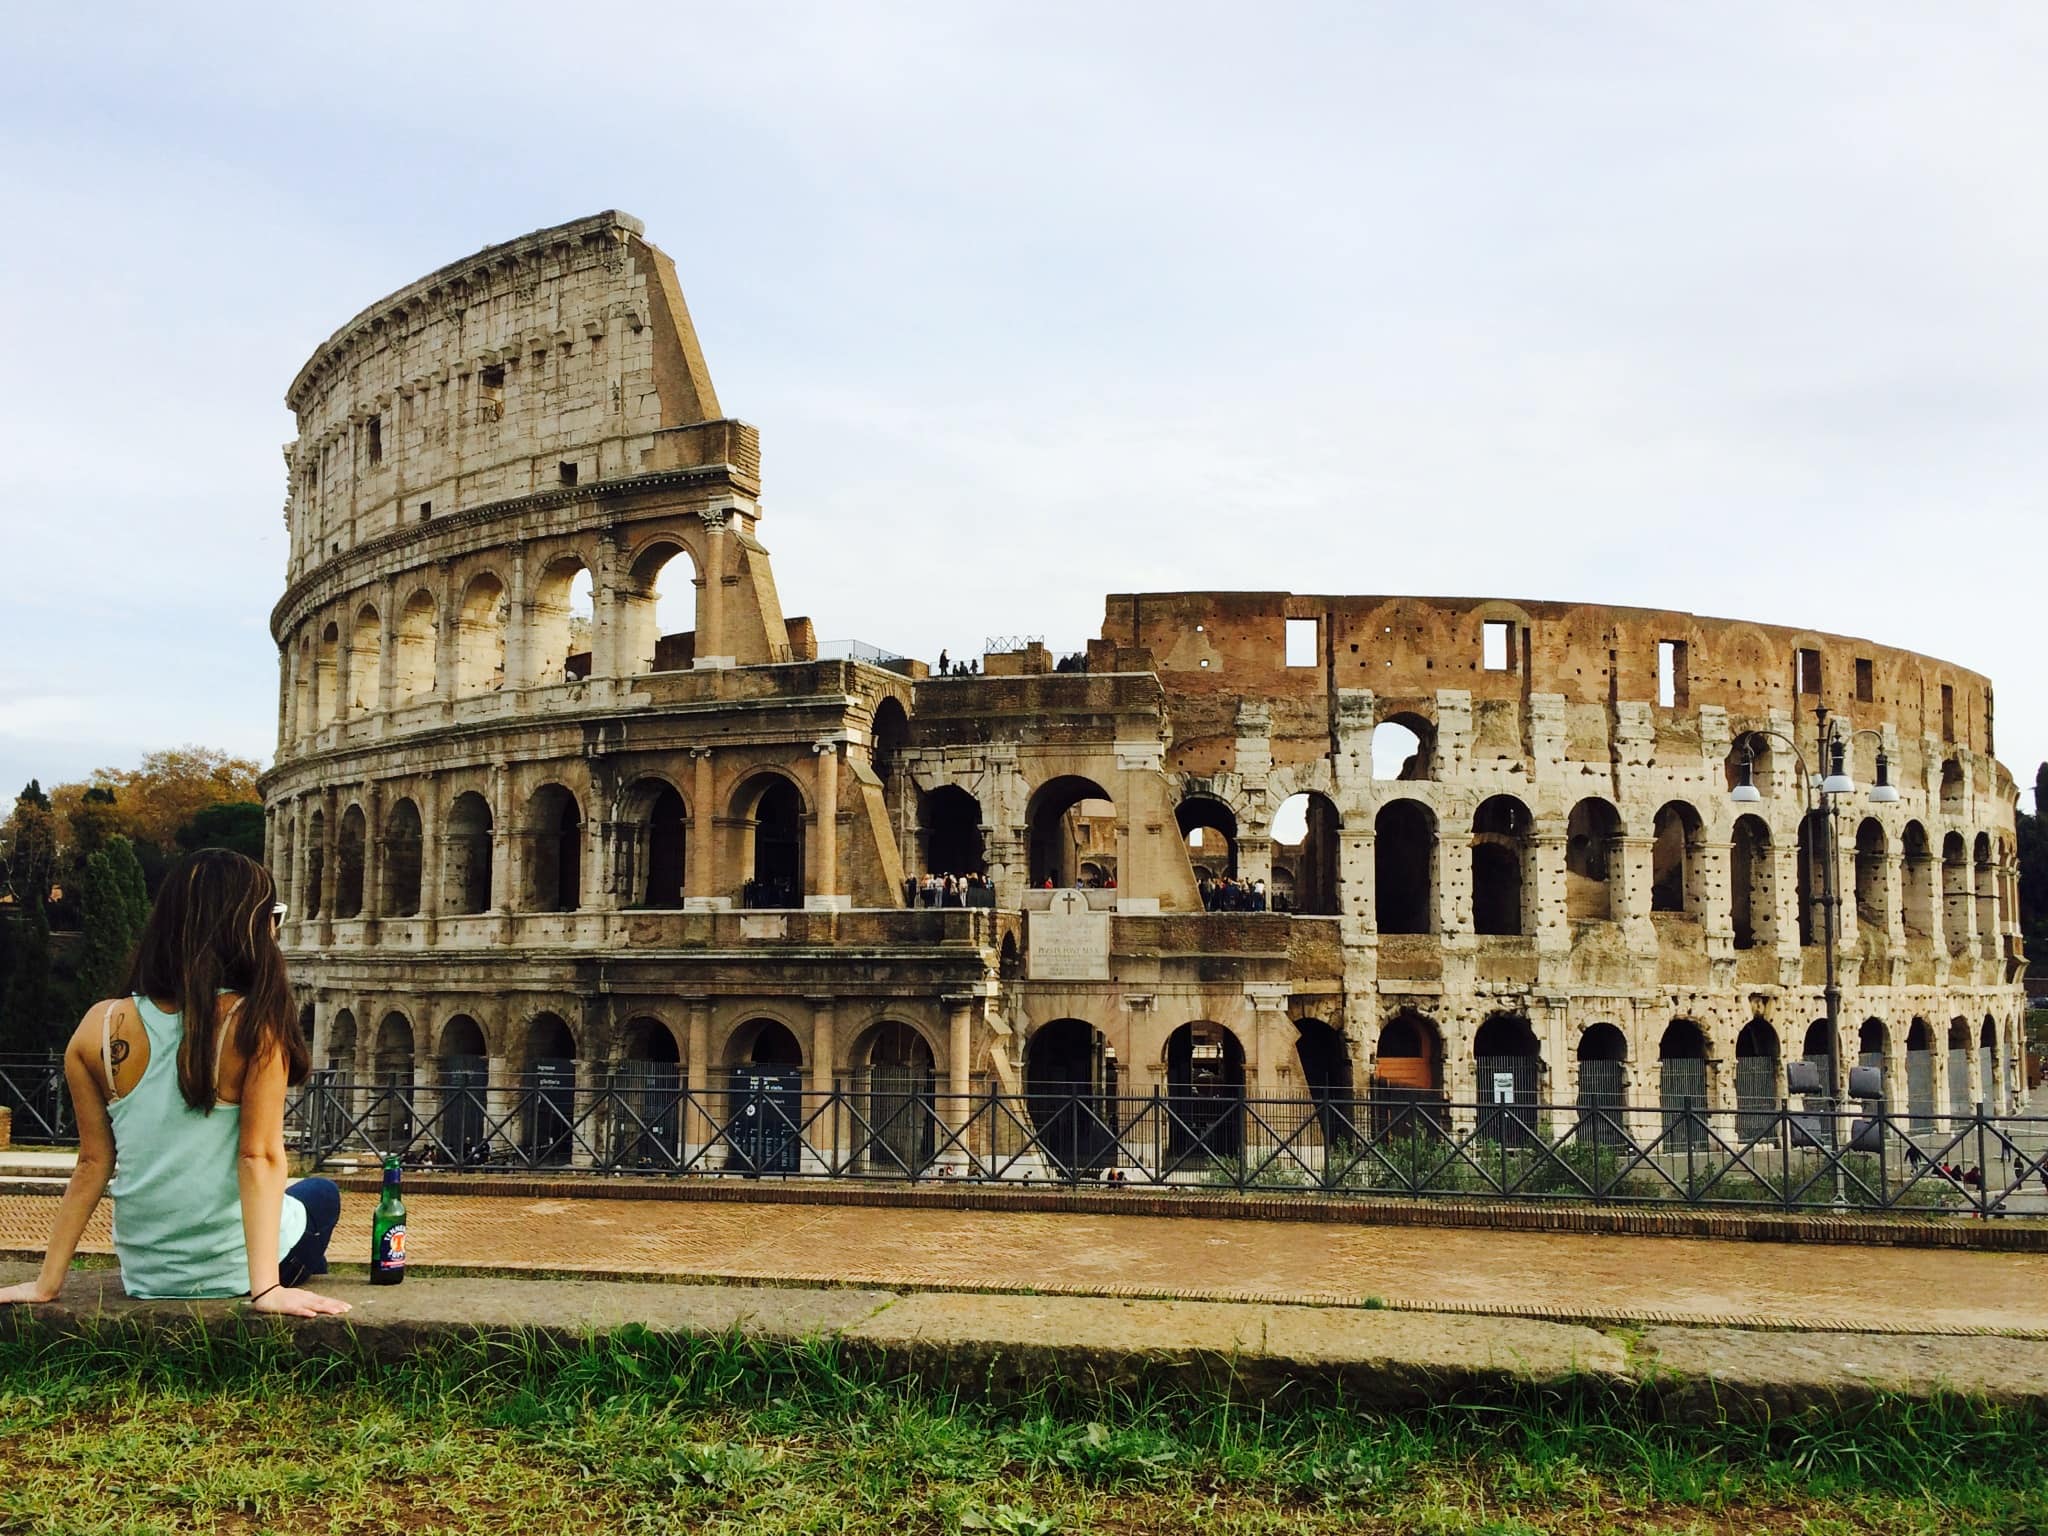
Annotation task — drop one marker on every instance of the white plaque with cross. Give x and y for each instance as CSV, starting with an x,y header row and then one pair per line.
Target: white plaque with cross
x,y
1068,941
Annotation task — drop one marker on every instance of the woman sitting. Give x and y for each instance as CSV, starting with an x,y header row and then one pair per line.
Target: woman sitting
x,y
179,1091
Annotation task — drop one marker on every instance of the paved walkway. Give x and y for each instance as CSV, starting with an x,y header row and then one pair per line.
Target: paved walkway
x,y
1509,1274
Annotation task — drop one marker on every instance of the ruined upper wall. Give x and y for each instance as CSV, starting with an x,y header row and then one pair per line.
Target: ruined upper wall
x,y
1211,649
558,359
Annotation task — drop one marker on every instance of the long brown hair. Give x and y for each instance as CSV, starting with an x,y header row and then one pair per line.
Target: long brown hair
x,y
210,932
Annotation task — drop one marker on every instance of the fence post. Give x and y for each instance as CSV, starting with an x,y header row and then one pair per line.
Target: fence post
x,y
1685,1116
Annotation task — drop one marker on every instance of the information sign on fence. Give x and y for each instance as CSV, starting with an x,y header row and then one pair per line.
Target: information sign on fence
x,y
1068,941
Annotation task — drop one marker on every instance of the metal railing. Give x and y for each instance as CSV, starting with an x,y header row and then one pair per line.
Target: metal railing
x,y
759,1123
1401,1144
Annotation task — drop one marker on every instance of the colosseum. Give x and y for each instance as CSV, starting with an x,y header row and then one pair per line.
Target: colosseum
x,y
562,792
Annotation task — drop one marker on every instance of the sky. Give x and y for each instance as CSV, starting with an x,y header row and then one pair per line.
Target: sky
x,y
1732,308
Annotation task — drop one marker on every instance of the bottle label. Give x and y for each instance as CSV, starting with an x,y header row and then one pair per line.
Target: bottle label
x,y
391,1249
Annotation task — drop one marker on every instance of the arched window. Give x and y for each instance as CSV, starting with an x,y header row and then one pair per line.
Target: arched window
x,y
1204,1093
364,654
765,1110
1592,860
412,665
341,1043
648,1130
401,861
1960,1040
1752,888
551,1125
1871,1037
348,864
561,624
1500,847
657,609
1987,897
391,1120
1071,1085
1955,892
1682,1083
480,637
1920,1106
1208,830
894,1090
653,852
1070,821
1510,1075
1754,750
949,820
1952,791
1403,749
554,867
891,737
1603,1080
1872,912
1675,871
326,678
466,850
1404,868
1756,1080
1917,885
1306,845
771,827
1813,874
316,860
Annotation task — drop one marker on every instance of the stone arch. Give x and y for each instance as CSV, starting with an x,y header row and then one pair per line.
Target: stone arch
x,y
1682,1081
1208,829
1404,867
1960,1087
413,658
650,1039
1500,859
393,1063
1954,793
1916,884
1756,1080
1920,1049
893,1088
554,850
949,826
649,1111
1812,877
480,623
348,863
762,1040
654,842
341,1042
768,813
890,735
1752,884
1509,1063
1592,860
466,852
365,652
1987,1064
1677,875
1872,1039
1872,877
1603,1069
1955,892
1987,893
649,602
561,622
461,1036
326,676
1205,1082
1324,1056
1063,821
1404,748
400,860
1751,753
1313,858
1071,1083
316,860
548,1057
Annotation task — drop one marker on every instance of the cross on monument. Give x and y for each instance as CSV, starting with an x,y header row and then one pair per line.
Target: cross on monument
x,y
1067,899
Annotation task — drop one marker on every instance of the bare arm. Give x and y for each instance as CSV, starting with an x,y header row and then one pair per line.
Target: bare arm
x,y
90,1174
261,1173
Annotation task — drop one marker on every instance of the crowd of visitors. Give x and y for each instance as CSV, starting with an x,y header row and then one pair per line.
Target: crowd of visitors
x,y
946,890
1230,894
950,668
777,891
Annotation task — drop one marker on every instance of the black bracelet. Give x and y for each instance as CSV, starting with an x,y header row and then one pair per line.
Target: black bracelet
x,y
276,1285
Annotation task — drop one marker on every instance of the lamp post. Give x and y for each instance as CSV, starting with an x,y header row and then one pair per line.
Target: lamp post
x,y
1833,744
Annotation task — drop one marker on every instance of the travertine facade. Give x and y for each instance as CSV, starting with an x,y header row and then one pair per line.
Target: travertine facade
x,y
503,840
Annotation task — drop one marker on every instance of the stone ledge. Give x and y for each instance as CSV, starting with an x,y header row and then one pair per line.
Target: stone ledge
x,y
2012,1235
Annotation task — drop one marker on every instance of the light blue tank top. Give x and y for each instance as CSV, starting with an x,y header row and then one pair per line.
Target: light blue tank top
x,y
177,1197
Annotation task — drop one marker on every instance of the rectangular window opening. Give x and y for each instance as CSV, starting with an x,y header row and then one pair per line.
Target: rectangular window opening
x,y
1948,712
376,440
567,469
1302,647
1497,646
1673,684
426,510
1809,672
1866,681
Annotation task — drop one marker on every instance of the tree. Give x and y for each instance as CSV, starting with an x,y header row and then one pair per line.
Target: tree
x,y
113,919
237,825
172,787
28,842
92,820
28,1010
2032,836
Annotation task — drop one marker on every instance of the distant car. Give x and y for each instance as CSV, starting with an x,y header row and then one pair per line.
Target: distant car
x,y
2034,1003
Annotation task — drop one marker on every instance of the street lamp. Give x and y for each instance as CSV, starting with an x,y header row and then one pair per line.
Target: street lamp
x,y
1834,743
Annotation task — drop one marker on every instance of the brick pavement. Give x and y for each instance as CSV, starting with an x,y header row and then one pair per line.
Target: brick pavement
x,y
1538,1275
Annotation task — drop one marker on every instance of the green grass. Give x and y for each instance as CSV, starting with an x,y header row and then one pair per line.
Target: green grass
x,y
131,1433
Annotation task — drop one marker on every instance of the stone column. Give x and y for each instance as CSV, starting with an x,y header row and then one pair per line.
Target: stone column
x,y
700,1124
447,638
387,650
824,1136
373,858
432,877
700,851
605,639
1717,906
517,621
502,841
711,648
327,861
824,872
1546,875
1453,859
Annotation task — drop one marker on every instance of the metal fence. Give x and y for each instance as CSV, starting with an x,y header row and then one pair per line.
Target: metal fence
x,y
891,1124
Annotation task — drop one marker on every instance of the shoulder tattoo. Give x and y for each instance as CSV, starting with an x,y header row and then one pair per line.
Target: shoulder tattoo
x,y
117,1052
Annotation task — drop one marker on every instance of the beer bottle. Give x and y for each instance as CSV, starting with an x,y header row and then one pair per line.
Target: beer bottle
x,y
387,1231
